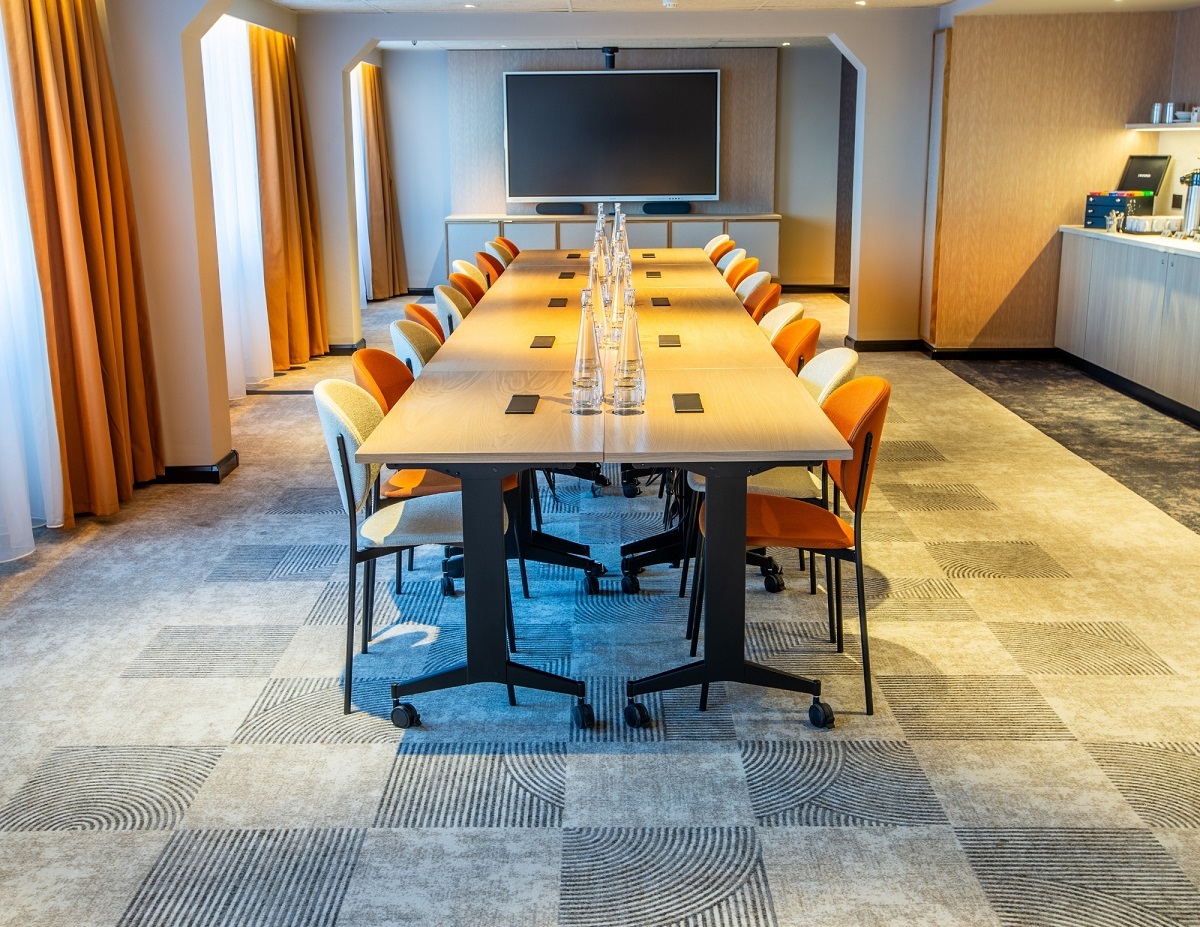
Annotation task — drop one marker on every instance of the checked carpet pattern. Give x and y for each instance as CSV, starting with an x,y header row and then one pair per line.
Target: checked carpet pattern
x,y
175,751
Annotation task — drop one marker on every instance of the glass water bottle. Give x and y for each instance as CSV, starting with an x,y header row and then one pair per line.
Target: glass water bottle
x,y
629,372
587,377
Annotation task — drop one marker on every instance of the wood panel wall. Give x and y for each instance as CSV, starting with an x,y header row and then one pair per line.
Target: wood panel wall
x,y
1035,119
844,230
748,91
1185,87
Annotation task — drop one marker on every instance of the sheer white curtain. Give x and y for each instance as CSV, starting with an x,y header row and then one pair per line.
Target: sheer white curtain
x,y
362,208
30,468
229,97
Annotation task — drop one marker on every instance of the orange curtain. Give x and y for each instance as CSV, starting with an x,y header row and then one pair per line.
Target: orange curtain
x,y
89,263
287,187
388,276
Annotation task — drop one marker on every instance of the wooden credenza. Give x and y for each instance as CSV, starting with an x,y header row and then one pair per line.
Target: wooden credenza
x,y
1131,305
758,233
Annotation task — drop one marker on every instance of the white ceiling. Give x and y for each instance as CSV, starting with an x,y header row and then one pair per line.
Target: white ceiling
x,y
641,6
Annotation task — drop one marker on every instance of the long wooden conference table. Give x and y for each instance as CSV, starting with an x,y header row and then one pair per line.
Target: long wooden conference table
x,y
756,416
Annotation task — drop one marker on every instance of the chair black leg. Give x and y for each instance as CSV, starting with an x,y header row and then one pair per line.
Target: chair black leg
x,y
350,615
510,625
696,609
837,600
400,567
411,553
537,506
833,635
368,621
812,573
862,631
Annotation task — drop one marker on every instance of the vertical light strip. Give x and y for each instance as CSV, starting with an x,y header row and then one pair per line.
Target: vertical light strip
x,y
30,467
362,206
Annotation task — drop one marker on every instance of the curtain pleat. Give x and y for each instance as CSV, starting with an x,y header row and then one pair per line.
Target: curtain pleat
x,y
388,275
287,188
89,263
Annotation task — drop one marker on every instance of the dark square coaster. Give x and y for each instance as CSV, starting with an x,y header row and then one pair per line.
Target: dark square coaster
x,y
110,788
664,875
659,301
567,275
574,256
649,255
1102,878
838,784
558,302
654,274
252,878
212,650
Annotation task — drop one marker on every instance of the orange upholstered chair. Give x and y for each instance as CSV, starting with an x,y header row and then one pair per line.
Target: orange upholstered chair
x,y
763,300
468,287
417,313
738,271
509,244
796,343
491,267
721,250
857,410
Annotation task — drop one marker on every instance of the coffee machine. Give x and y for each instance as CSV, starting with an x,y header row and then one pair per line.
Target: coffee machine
x,y
1191,207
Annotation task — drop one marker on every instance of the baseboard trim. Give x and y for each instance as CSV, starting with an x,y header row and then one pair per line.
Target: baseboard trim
x,y
863,347
1142,394
994,353
420,291
212,473
815,288
345,350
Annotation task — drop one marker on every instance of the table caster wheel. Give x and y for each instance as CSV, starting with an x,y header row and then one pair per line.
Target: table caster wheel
x,y
769,566
591,582
583,716
630,490
820,715
453,568
636,715
404,715
773,582
630,584
447,586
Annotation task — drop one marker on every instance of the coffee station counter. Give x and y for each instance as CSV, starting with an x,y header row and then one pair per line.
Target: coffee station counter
x,y
1129,305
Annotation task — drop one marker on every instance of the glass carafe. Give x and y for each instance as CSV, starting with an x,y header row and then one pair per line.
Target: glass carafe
x,y
587,376
629,371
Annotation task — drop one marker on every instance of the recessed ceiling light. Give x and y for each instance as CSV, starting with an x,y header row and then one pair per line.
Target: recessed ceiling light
x,y
469,6
786,44
860,2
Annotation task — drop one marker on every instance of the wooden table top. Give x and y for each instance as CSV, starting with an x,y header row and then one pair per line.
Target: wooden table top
x,y
755,408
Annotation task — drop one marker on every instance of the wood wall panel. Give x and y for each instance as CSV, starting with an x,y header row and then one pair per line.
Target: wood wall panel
x,y
844,229
1185,88
748,90
1035,119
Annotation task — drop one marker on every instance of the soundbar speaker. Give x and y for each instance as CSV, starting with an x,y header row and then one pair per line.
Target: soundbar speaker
x,y
666,208
559,209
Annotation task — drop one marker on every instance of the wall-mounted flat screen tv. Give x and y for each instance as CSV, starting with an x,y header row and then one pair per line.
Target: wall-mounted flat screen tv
x,y
612,135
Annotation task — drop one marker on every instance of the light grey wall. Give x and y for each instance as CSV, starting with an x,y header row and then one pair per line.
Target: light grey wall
x,y
416,92
806,162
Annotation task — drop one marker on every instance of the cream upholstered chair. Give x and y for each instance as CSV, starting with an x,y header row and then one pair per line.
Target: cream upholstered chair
x,y
780,316
499,252
466,267
414,344
751,283
737,254
713,242
452,307
829,370
721,249
348,415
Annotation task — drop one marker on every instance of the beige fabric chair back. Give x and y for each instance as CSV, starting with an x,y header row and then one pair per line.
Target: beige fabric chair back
x,y
735,255
414,344
465,267
779,317
499,252
452,307
829,370
713,242
350,411
752,283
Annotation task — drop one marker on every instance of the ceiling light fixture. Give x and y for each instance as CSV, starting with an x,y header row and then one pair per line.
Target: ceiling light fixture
x,y
670,4
786,44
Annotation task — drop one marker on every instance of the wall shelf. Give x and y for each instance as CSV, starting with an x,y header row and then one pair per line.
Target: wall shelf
x,y
1163,127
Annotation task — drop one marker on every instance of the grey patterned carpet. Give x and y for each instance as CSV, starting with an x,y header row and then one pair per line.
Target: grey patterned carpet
x,y
174,751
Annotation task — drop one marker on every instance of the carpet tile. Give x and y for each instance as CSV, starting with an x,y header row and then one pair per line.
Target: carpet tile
x,y
1160,780
996,560
971,708
1079,648
213,650
110,788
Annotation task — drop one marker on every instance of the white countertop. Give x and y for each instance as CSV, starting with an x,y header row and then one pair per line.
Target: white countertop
x,y
631,217
1153,242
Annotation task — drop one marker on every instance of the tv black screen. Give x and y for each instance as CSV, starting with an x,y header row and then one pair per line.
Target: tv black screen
x,y
612,135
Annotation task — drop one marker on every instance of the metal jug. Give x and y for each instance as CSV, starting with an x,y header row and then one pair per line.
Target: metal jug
x,y
1191,208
